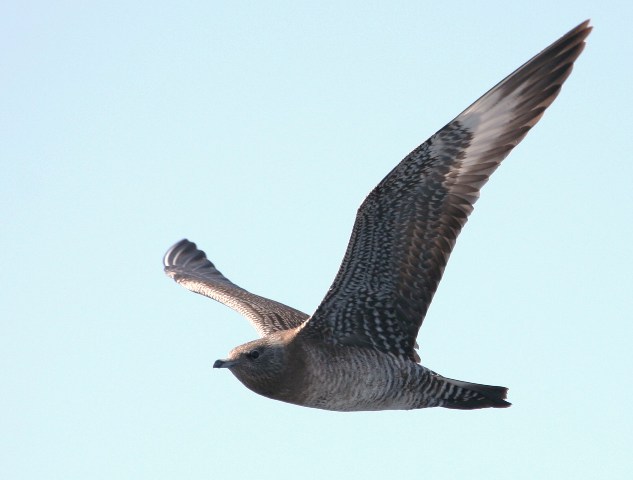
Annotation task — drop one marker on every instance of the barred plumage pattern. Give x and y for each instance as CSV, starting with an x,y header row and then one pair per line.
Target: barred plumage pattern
x,y
406,228
357,352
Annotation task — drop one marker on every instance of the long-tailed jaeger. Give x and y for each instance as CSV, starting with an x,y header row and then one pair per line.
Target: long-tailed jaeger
x,y
357,351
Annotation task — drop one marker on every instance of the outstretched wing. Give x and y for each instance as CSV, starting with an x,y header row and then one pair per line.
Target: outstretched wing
x,y
191,269
407,226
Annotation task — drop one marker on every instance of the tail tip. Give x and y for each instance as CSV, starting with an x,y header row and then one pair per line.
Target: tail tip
x,y
474,396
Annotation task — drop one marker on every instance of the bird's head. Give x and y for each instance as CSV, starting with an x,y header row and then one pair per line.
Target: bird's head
x,y
260,365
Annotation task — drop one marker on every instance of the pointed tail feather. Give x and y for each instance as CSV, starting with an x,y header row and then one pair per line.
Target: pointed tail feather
x,y
469,396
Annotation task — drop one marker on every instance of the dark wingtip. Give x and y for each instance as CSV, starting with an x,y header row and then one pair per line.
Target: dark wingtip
x,y
176,250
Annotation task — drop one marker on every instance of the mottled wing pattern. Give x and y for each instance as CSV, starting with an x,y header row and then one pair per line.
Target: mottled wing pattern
x,y
190,268
407,226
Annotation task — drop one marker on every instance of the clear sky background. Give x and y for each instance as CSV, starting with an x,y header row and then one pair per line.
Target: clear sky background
x,y
256,129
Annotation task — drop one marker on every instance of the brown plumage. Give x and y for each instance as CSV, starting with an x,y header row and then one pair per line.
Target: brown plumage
x,y
357,352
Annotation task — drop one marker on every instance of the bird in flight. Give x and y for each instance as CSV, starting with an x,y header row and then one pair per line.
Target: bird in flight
x,y
358,350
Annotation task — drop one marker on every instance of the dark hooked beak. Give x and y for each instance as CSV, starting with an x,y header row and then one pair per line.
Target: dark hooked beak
x,y
224,363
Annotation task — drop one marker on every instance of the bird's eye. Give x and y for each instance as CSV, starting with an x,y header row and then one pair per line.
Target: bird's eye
x,y
253,354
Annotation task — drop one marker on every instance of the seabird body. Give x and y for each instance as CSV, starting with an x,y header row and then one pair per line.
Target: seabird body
x,y
357,351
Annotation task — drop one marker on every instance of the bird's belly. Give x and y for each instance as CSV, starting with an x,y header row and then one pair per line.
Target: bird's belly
x,y
361,380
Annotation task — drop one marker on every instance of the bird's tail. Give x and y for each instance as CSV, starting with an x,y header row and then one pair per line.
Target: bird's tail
x,y
469,396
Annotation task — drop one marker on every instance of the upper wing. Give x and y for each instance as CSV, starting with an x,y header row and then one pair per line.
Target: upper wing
x,y
191,269
407,226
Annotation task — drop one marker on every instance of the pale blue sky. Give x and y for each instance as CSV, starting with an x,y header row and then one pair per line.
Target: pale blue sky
x,y
256,129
